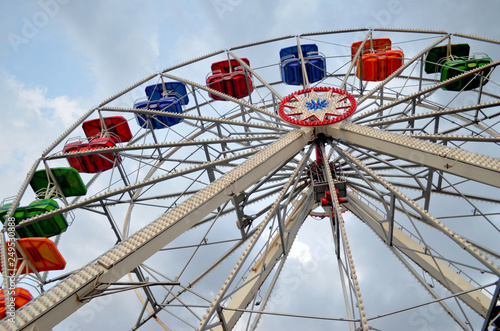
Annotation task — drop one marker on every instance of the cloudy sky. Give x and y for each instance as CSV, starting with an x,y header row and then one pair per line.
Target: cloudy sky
x,y
61,57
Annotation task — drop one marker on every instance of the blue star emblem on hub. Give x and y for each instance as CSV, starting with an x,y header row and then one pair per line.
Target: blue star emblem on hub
x,y
319,104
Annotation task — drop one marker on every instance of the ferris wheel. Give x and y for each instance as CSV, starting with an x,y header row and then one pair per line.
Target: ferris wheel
x,y
186,192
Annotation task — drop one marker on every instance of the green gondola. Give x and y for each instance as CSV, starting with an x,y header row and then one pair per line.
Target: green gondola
x,y
436,56
68,179
46,228
460,66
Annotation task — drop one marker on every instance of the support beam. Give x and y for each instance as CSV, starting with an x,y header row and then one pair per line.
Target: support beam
x,y
428,115
440,271
421,92
411,205
262,226
390,219
222,95
489,316
354,60
456,161
266,263
256,75
347,248
53,306
228,121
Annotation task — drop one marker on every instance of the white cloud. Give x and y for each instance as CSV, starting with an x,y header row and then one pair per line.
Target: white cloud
x,y
122,46
61,109
30,122
301,252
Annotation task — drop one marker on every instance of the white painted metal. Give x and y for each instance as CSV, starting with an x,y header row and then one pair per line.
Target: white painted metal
x,y
426,216
393,145
59,302
440,271
460,162
265,265
345,241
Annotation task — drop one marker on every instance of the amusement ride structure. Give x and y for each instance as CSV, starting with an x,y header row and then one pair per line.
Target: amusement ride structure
x,y
193,188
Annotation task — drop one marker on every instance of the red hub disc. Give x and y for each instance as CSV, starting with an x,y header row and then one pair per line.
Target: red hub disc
x,y
317,106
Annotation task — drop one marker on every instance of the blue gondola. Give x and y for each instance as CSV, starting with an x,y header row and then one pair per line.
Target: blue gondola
x,y
291,68
167,97
178,89
168,104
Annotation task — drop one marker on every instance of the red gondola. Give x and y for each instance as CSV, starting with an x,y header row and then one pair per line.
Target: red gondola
x,y
228,66
92,163
326,201
228,77
115,127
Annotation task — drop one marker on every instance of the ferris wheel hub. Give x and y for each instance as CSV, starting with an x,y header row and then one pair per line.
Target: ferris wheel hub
x,y
317,106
